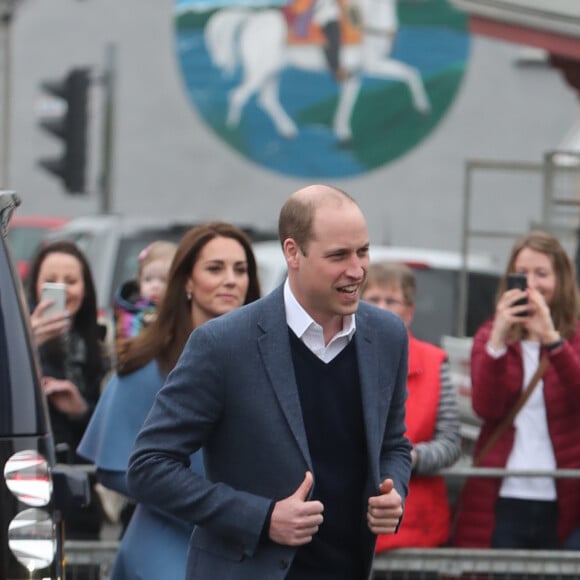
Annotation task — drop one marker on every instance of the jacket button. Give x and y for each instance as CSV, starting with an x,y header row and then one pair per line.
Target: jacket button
x,y
283,564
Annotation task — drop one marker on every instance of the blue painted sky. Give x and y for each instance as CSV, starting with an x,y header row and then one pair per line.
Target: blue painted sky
x,y
201,5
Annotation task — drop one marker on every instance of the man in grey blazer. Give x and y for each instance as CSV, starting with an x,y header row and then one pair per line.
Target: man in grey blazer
x,y
298,401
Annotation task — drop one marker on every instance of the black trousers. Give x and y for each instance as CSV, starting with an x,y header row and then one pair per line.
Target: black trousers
x,y
332,47
525,524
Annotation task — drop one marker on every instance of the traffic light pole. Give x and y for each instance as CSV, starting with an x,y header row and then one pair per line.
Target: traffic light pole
x,y
71,128
106,176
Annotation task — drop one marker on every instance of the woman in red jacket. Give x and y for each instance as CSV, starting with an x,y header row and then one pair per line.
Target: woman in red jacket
x,y
432,417
527,512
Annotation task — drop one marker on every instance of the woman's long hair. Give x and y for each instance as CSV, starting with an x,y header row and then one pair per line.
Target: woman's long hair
x,y
85,322
565,305
165,338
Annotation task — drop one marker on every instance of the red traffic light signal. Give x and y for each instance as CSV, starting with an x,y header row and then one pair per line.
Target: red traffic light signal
x,y
70,167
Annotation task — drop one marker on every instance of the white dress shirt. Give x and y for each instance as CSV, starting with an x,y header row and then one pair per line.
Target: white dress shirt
x,y
311,333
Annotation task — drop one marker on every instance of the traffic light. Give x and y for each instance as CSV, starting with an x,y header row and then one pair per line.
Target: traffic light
x,y
71,127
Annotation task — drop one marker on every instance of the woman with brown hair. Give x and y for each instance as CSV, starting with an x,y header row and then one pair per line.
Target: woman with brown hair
x,y
72,358
213,272
530,326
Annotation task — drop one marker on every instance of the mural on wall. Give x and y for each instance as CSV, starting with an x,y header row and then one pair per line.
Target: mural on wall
x,y
321,88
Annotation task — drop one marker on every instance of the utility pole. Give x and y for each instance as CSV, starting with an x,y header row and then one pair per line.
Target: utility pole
x,y
108,129
7,8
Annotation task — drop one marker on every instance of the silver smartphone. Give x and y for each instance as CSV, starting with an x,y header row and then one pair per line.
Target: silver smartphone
x,y
55,291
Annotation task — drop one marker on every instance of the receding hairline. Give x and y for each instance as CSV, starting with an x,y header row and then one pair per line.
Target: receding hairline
x,y
318,195
297,213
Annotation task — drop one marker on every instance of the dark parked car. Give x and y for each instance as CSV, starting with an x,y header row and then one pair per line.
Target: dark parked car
x,y
34,493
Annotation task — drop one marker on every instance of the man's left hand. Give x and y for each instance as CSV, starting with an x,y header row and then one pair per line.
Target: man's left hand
x,y
385,510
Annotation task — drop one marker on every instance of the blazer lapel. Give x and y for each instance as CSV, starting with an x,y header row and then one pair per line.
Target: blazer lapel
x,y
368,365
274,347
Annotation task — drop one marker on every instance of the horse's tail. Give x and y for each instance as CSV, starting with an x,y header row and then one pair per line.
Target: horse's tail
x,y
221,33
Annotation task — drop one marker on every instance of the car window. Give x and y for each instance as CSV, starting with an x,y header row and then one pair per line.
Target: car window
x,y
436,309
482,291
435,304
83,241
129,249
24,241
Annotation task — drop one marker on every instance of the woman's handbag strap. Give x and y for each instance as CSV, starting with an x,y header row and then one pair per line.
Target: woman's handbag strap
x,y
509,418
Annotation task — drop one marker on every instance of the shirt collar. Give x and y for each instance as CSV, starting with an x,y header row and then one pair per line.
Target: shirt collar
x,y
300,321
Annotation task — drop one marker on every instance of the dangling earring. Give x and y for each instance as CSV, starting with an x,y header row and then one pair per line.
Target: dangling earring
x,y
188,294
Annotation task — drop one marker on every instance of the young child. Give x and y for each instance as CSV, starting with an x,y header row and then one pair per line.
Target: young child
x,y
135,307
136,300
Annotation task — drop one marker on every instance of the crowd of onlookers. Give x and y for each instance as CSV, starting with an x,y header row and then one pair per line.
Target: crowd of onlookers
x,y
525,371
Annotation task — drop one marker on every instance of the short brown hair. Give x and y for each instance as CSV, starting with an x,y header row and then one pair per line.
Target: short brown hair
x,y
389,273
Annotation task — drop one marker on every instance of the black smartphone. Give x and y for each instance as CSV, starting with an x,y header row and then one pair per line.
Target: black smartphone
x,y
518,281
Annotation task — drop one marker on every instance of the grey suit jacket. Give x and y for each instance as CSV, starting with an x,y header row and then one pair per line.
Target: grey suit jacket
x,y
233,392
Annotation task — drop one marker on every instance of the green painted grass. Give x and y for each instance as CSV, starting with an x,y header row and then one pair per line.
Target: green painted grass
x,y
384,123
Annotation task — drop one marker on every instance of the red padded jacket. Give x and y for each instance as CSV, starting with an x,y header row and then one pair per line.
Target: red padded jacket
x,y
425,523
496,385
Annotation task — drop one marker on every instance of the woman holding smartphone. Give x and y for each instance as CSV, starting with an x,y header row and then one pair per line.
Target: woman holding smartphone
x,y
72,360
539,322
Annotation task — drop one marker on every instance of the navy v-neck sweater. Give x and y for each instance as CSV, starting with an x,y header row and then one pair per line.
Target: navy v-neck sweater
x,y
331,404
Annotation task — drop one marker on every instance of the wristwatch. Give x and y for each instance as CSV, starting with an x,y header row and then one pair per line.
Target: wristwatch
x,y
554,344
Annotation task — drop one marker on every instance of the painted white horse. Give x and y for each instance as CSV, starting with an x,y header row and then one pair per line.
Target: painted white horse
x,y
256,40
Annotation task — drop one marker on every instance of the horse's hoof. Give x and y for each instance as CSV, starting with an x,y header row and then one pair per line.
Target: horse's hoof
x,y
424,109
345,143
232,124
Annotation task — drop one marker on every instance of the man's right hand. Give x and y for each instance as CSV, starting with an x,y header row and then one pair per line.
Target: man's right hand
x,y
294,519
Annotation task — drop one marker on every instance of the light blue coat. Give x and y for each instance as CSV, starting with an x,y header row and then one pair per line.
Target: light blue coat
x,y
154,545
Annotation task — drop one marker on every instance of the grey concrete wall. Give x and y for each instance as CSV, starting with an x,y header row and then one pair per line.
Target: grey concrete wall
x,y
168,162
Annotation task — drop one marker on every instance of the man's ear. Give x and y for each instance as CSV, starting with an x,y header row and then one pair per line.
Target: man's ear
x,y
291,252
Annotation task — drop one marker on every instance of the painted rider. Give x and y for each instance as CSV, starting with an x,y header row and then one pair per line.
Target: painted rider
x,y
327,16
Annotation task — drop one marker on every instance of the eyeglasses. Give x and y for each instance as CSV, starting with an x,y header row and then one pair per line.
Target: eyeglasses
x,y
393,302
389,302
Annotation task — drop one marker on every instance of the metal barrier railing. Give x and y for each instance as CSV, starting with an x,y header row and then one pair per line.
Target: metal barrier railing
x,y
95,558
464,562
403,562
90,560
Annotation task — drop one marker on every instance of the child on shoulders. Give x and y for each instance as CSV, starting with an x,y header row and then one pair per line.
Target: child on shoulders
x,y
136,301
